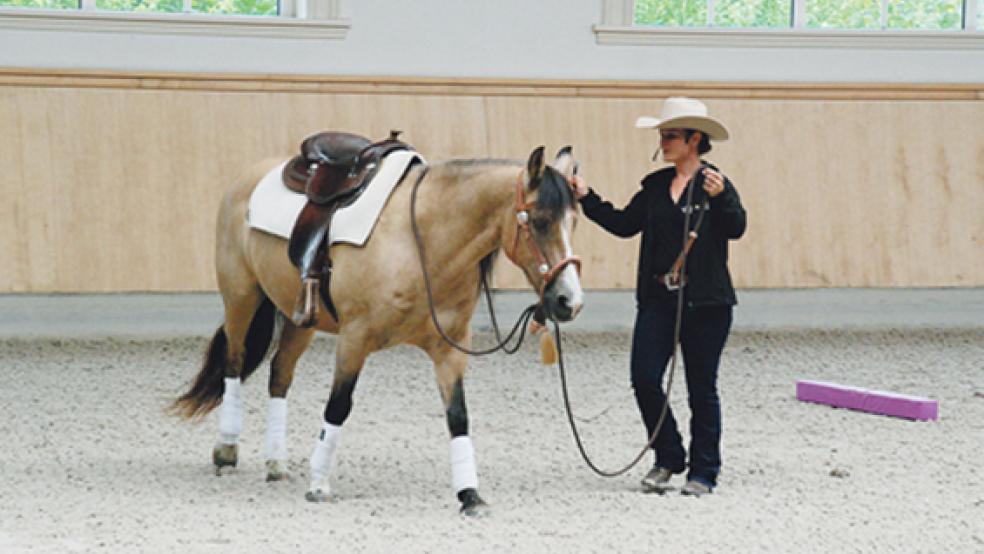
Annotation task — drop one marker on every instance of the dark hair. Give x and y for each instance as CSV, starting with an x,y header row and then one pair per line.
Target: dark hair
x,y
705,143
555,195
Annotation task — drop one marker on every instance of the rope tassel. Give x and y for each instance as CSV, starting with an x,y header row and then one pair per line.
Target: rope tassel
x,y
548,348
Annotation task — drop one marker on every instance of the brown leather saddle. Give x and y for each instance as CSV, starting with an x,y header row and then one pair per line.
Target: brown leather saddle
x,y
332,170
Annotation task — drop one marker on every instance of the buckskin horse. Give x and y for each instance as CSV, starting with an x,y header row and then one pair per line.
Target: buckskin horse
x,y
466,212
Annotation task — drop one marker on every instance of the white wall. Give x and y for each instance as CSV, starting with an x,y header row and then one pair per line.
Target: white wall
x,y
542,39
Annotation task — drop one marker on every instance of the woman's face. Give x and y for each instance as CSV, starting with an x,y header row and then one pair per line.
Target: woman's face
x,y
674,145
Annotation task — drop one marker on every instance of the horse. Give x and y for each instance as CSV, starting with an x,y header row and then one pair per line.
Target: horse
x,y
466,212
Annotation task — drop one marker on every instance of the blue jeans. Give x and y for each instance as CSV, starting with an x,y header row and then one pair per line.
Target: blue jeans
x,y
702,336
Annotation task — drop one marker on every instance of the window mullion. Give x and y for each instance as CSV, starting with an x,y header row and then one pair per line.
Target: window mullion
x,y
186,6
970,15
799,14
618,12
87,5
710,13
883,15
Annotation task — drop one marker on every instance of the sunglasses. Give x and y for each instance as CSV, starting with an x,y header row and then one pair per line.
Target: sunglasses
x,y
670,135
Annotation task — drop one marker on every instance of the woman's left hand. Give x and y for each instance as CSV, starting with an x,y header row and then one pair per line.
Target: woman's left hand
x,y
713,182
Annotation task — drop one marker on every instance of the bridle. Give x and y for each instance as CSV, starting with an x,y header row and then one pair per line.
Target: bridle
x,y
548,272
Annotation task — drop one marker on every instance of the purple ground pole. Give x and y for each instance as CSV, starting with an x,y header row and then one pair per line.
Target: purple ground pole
x,y
865,400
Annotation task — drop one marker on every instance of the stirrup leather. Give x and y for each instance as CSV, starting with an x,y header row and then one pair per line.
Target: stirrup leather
x,y
306,307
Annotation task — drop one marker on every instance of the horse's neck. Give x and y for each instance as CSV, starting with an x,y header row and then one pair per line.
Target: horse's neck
x,y
469,212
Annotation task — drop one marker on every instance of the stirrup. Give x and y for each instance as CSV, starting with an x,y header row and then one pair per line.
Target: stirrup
x,y
306,307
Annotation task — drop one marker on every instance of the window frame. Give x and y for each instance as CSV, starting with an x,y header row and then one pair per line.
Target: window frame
x,y
617,27
299,19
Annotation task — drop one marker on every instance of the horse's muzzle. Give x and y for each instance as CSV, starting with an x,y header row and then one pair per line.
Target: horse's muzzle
x,y
560,303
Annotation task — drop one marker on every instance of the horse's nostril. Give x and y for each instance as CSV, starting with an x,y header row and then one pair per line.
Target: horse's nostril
x,y
563,301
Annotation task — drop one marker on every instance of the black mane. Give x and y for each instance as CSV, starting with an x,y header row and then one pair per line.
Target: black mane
x,y
554,194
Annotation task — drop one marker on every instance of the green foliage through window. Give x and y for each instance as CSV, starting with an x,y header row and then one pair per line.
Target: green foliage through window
x,y
843,14
925,14
819,14
753,13
167,6
682,13
44,4
238,7
232,7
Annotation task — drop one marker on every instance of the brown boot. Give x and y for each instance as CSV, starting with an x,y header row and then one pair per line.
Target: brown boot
x,y
306,306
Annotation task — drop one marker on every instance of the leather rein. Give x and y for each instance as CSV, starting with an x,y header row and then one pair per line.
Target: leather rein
x,y
673,280
549,273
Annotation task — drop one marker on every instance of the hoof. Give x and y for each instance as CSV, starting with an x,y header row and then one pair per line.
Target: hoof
x,y
276,470
318,492
225,455
318,495
472,505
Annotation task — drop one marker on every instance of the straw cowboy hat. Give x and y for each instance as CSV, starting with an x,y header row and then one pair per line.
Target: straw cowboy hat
x,y
685,113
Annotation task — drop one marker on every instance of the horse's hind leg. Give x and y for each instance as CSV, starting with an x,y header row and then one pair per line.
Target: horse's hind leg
x,y
293,342
350,354
240,309
450,368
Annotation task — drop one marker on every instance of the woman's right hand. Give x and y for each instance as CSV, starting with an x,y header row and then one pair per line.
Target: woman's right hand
x,y
580,187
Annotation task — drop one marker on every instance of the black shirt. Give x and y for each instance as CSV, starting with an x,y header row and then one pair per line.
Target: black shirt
x,y
653,213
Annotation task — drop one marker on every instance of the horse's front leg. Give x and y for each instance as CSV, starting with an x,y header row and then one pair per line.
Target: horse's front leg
x,y
350,355
450,368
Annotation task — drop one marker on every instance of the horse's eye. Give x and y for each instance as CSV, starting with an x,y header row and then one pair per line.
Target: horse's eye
x,y
540,224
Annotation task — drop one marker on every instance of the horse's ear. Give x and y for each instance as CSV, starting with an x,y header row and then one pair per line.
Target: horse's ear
x,y
564,162
534,167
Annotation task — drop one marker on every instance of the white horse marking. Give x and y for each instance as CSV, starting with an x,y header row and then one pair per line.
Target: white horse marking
x,y
569,279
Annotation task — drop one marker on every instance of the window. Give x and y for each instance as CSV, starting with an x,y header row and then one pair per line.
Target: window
x,y
42,4
815,14
843,14
718,13
880,24
753,13
236,7
242,7
294,19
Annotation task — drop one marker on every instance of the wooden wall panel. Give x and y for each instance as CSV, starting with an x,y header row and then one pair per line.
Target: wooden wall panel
x,y
110,183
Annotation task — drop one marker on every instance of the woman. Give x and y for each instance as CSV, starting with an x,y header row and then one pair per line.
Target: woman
x,y
658,211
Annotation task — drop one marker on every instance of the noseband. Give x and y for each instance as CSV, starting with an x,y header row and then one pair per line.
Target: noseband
x,y
548,272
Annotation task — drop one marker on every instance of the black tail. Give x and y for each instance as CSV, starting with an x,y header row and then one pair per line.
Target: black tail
x,y
206,392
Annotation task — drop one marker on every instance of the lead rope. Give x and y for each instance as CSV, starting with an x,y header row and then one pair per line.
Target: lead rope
x,y
524,317
682,261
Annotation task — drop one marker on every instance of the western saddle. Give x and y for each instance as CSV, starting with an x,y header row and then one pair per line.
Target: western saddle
x,y
332,170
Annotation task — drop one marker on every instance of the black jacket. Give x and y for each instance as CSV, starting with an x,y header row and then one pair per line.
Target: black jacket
x,y
652,212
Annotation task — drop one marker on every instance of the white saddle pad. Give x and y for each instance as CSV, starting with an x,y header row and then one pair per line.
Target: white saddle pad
x,y
273,208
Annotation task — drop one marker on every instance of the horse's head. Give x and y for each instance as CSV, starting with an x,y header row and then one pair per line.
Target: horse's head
x,y
546,215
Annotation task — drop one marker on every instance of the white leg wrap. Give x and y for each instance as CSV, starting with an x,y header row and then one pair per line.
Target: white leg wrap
x,y
276,436
464,474
325,456
231,412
